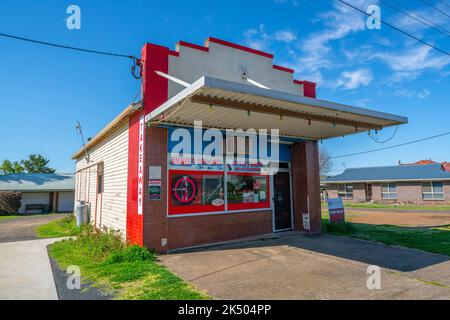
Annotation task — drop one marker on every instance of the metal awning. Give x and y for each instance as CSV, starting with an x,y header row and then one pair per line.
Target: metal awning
x,y
224,104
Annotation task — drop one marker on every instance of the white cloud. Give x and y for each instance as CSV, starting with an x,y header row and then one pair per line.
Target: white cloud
x,y
316,53
260,39
413,59
351,80
410,94
285,36
411,62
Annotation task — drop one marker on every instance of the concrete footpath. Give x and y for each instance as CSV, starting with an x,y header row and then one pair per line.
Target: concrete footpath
x,y
25,271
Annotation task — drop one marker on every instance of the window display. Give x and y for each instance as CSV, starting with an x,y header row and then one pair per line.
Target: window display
x,y
247,191
196,192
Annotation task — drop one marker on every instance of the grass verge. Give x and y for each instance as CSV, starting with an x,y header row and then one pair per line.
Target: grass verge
x,y
65,227
8,217
435,240
124,271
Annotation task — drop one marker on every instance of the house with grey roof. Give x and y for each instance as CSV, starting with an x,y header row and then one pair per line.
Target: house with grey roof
x,y
416,184
41,192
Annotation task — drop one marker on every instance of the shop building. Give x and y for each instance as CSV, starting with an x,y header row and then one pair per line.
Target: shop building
x,y
135,180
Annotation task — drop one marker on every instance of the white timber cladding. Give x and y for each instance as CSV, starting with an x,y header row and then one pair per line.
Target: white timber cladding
x,y
110,210
227,63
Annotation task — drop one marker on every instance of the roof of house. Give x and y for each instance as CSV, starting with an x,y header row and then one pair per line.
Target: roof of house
x,y
429,172
37,182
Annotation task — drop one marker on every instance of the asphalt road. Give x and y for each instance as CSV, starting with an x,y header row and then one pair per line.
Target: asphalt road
x,y
23,228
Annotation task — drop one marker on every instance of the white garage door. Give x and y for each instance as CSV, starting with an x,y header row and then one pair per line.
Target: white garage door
x,y
66,201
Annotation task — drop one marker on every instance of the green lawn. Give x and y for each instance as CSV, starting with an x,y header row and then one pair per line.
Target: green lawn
x,y
435,240
65,227
396,206
126,272
8,217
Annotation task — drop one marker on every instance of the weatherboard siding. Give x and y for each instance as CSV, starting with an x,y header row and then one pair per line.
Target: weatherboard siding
x,y
110,209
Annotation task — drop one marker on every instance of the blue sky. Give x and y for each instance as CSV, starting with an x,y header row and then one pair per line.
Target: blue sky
x,y
43,91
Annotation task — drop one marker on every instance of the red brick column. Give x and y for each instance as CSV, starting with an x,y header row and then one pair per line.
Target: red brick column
x,y
306,185
155,211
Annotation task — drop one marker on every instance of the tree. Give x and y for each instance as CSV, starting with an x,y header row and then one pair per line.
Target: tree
x,y
36,164
325,162
10,203
8,167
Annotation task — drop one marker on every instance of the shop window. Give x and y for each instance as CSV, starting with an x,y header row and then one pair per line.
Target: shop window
x,y
345,191
389,191
433,191
196,192
247,191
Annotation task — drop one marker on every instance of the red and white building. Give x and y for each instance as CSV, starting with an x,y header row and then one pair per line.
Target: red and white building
x,y
133,184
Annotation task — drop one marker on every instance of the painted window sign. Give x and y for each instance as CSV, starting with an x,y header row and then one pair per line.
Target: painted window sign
x,y
196,192
141,165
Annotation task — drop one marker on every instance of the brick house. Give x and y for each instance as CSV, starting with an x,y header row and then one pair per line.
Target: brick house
x,y
133,181
412,183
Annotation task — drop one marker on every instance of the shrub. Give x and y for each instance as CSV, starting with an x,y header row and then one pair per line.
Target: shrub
x,y
100,242
10,203
131,254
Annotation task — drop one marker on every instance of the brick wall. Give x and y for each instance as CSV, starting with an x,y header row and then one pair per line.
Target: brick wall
x,y
191,231
409,192
155,212
306,185
359,192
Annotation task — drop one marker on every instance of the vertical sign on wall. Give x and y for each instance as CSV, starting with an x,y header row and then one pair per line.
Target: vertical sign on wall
x,y
141,165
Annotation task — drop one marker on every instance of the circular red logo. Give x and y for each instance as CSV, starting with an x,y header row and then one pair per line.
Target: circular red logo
x,y
185,190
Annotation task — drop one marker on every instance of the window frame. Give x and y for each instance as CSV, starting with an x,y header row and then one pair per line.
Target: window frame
x,y
433,193
346,194
389,192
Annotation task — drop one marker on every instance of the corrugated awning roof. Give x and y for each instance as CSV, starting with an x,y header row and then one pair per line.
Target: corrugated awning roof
x,y
34,182
432,172
229,105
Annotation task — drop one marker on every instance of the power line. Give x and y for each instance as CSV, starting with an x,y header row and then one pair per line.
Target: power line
x,y
414,16
384,141
437,9
395,28
67,47
391,147
445,3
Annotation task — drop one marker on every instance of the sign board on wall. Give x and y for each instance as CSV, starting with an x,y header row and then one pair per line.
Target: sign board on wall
x,y
306,221
154,173
336,210
141,165
154,190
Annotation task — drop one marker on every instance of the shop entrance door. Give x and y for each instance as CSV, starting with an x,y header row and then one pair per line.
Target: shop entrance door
x,y
282,202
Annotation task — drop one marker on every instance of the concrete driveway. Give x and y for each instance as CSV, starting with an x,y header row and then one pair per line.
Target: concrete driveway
x,y
23,228
294,266
25,271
